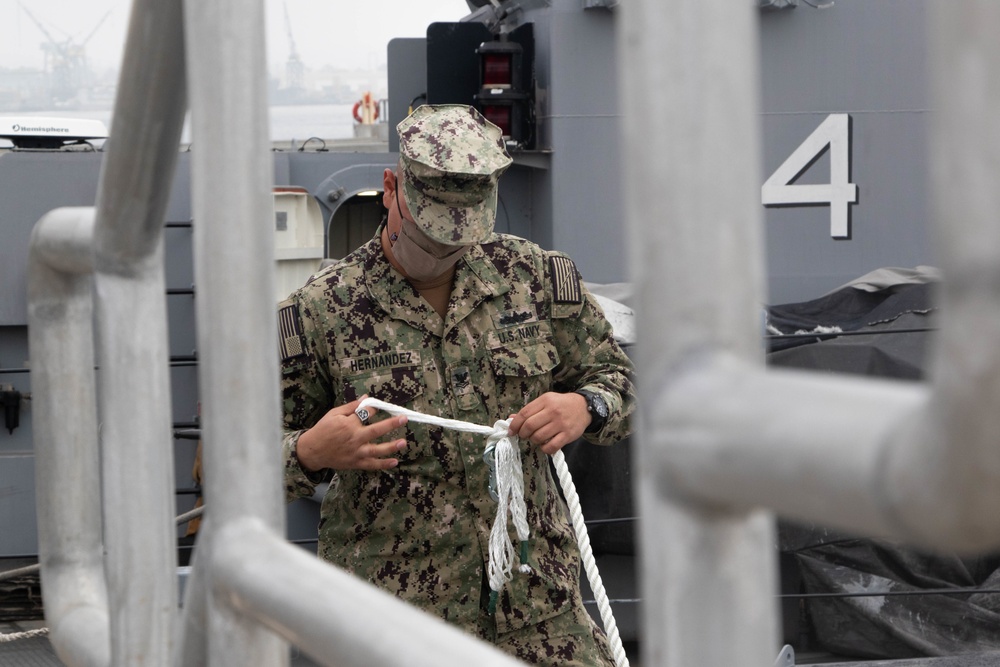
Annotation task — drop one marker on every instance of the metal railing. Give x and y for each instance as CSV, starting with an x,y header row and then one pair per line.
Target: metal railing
x,y
725,442
250,592
721,436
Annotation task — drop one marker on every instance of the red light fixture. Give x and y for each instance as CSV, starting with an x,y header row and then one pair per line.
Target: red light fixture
x,y
502,98
497,69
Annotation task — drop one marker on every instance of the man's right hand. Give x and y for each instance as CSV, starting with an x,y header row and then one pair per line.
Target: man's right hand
x,y
340,441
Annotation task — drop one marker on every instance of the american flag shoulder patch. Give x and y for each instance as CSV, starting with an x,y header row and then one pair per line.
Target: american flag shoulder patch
x,y
565,280
290,340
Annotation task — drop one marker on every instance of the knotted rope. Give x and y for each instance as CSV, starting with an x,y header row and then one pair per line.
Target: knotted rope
x,y
503,456
510,495
506,466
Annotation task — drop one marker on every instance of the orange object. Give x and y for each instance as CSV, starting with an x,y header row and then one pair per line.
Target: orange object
x,y
366,110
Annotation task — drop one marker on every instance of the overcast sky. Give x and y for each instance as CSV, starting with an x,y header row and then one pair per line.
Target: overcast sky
x,y
335,32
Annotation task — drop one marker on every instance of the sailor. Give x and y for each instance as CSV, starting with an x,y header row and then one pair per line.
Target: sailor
x,y
440,315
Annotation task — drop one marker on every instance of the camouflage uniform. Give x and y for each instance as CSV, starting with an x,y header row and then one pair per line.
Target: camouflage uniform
x,y
519,323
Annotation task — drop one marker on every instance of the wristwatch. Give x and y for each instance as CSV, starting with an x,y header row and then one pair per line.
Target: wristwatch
x,y
598,409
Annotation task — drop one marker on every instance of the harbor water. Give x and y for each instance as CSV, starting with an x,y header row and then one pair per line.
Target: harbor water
x,y
287,123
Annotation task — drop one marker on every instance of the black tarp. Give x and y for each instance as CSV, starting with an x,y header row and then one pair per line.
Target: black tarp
x,y
905,624
603,480
881,333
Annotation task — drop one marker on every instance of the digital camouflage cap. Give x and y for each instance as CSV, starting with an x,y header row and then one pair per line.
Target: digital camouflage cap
x,y
451,158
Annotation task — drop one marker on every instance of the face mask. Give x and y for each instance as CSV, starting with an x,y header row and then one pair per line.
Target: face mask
x,y
421,257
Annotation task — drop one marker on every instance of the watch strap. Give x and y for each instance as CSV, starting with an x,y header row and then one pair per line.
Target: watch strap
x,y
598,416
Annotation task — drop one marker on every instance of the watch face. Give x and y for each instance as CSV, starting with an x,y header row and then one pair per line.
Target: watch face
x,y
600,407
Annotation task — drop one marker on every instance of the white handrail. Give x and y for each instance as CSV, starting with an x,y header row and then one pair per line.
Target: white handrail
x,y
691,186
249,590
134,382
722,436
231,180
67,456
334,617
118,609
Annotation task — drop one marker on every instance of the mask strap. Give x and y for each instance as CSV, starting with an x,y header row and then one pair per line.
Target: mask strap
x,y
394,235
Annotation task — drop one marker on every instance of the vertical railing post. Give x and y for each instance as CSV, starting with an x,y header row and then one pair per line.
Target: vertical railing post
x,y
965,367
917,462
134,381
67,451
237,322
691,164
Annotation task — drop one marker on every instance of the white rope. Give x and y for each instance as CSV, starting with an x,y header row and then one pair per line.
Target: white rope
x,y
510,489
587,556
20,572
510,494
14,636
413,415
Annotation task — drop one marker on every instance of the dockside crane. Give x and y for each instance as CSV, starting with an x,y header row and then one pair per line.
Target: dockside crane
x,y
294,69
65,60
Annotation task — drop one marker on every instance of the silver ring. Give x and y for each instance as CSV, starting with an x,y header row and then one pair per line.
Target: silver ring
x,y
363,415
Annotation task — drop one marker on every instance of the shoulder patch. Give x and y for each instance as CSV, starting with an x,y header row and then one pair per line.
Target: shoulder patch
x,y
565,280
290,342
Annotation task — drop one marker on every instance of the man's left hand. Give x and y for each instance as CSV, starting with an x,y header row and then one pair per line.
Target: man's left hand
x,y
552,420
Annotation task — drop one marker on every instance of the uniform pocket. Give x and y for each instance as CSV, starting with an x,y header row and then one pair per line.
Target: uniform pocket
x,y
522,372
524,361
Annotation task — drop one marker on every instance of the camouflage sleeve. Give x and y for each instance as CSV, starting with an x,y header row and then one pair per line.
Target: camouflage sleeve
x,y
590,358
299,483
305,395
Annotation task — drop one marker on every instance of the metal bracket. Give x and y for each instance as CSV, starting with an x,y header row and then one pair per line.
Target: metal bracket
x,y
490,458
786,658
777,4
10,399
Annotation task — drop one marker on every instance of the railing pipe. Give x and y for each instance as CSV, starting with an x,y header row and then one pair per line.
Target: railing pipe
x,y
334,617
734,436
237,321
192,644
132,323
911,462
907,461
693,206
67,456
949,481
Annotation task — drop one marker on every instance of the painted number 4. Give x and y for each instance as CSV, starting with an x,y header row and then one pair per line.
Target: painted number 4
x,y
839,193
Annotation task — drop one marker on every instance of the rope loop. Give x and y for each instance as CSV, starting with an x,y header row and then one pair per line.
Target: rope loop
x,y
502,455
510,497
506,485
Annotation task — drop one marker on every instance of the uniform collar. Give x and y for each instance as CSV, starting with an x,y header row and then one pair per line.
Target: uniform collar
x,y
394,294
476,280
